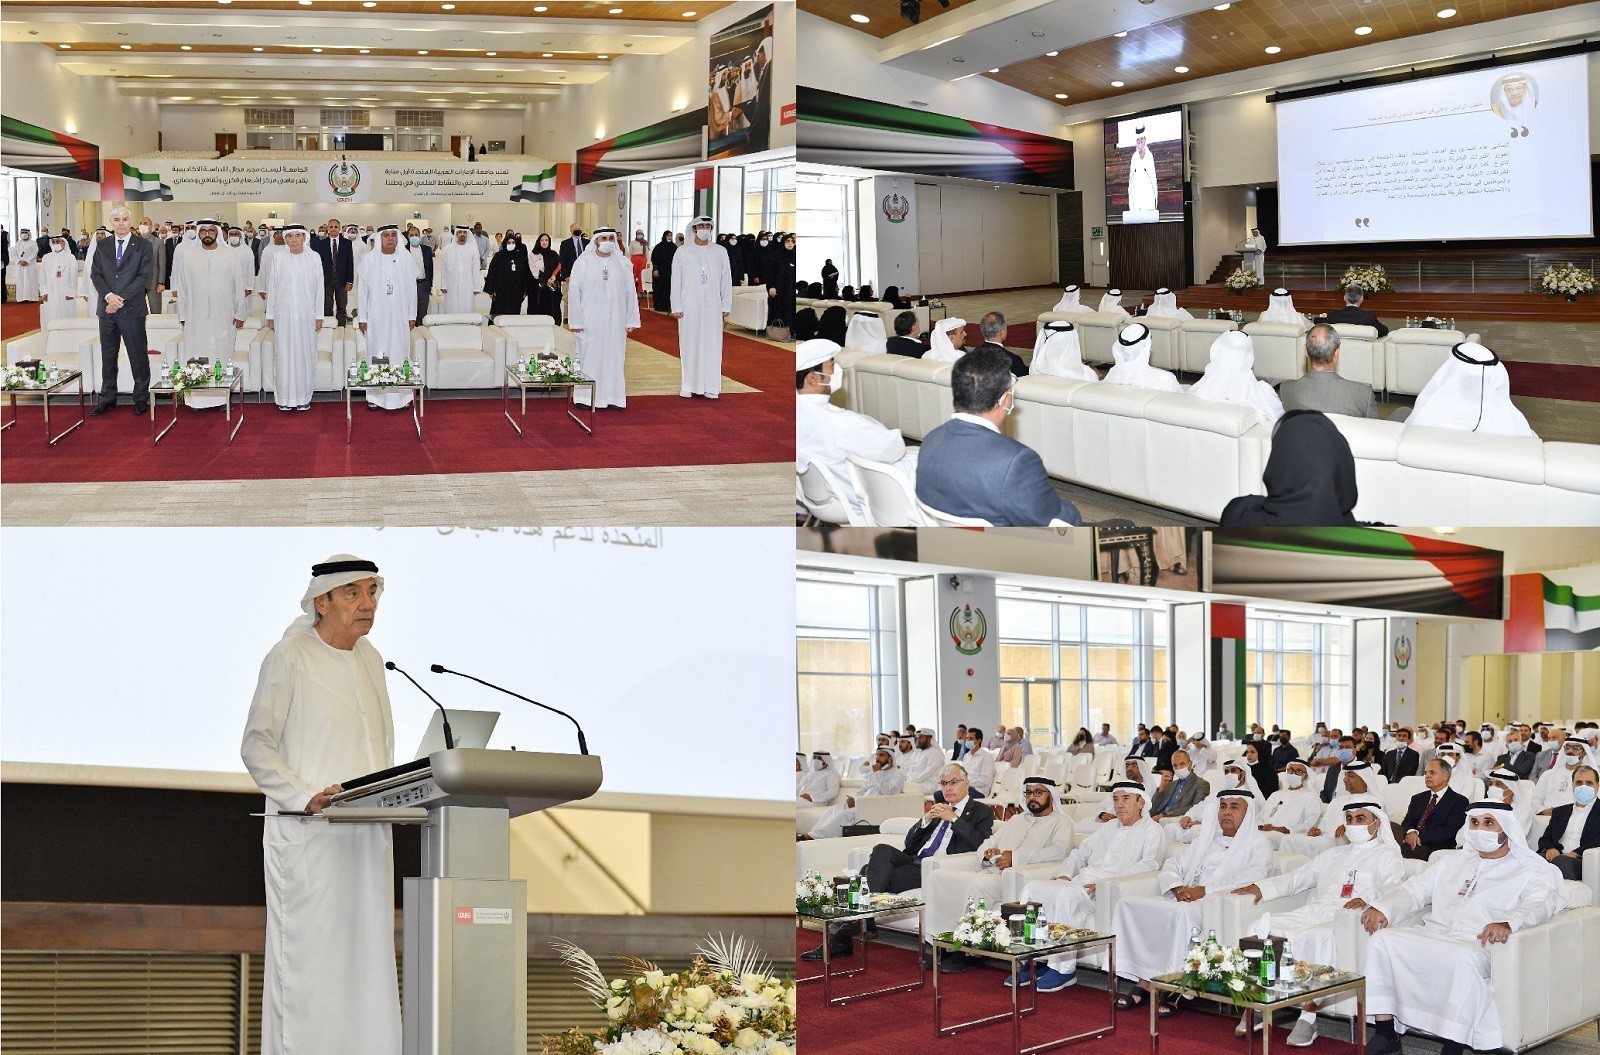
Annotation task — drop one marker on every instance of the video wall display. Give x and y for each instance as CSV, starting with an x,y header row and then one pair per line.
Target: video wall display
x,y
1144,168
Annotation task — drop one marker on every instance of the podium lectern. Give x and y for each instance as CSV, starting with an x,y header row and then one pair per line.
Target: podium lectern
x,y
466,919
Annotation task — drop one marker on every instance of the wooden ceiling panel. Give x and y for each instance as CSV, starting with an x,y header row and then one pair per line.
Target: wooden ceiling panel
x,y
327,52
631,10
884,15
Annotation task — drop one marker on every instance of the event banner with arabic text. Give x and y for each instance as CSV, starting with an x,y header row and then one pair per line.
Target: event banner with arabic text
x,y
333,180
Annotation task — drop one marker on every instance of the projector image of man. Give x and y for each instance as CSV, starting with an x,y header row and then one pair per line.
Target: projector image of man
x,y
1514,97
1142,189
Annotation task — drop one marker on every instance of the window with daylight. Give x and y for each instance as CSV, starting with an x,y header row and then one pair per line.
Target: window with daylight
x,y
844,667
1296,672
672,203
769,199
1065,666
826,216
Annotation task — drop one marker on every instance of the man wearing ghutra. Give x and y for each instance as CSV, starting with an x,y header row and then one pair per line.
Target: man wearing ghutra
x,y
1471,391
388,308
459,277
1153,932
294,286
1475,898
320,713
1127,845
819,785
884,778
601,310
702,296
1142,189
212,303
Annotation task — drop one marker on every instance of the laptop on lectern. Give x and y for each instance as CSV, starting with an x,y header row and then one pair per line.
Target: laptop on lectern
x,y
469,729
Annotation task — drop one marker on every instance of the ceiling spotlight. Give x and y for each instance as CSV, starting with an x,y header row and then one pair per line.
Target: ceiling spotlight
x,y
1362,31
491,54
224,2
547,55
305,3
689,14
1051,54
366,51
995,70
541,9
258,49
1222,7
125,47
1273,50
1061,95
1447,12
605,56
66,47
1116,84
422,53
616,10
1122,34
860,18
1180,69
369,3
447,7
185,47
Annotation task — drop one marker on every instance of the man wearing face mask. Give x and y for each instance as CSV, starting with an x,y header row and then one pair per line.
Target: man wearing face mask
x,y
155,286
1330,767
819,784
1434,815
1575,827
923,766
826,434
58,281
1401,760
1473,899
979,761
24,269
969,468
1555,787
884,778
459,277
1294,808
602,310
1519,754
1505,785
1346,877
1180,795
247,262
210,283
702,297
1357,780
1283,752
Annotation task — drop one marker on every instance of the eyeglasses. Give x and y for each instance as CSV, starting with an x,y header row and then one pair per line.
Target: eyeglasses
x,y
952,783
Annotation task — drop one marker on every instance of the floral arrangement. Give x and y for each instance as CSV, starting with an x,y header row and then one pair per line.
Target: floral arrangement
x,y
554,371
379,374
185,376
813,891
727,1001
1371,278
981,928
1566,280
1215,969
1240,280
15,377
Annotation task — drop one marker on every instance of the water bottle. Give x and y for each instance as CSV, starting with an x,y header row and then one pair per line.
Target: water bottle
x,y
55,372
1041,928
1194,938
855,892
971,904
1211,940
363,368
230,366
1286,965
405,369
216,370
981,906
1029,923
866,891
1269,966
39,374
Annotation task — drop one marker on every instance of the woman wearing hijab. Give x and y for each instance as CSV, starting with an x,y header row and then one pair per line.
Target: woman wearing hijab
x,y
804,327
1310,478
892,297
833,325
779,277
508,282
830,280
547,288
1083,743
1260,765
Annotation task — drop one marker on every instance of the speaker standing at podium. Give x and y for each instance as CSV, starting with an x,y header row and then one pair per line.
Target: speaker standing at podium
x,y
320,712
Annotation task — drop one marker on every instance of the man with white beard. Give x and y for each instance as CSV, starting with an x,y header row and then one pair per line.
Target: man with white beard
x,y
1555,786
1475,898
25,267
925,762
458,274
247,261
702,297
388,308
1128,844
58,281
1153,932
1348,876
211,302
601,310
818,785
1038,836
884,778
294,314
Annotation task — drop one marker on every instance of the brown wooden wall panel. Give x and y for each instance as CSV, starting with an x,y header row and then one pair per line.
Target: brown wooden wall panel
x,y
1069,233
1147,255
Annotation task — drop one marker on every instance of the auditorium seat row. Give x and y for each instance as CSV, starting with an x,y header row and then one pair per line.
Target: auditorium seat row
x,y
1194,455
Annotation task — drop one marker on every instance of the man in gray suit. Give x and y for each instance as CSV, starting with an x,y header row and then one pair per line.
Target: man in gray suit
x,y
968,468
1321,388
1180,790
120,273
153,287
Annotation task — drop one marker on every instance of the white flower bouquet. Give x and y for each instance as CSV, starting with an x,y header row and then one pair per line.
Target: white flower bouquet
x,y
727,1001
1371,278
16,377
1240,280
1566,280
401,373
1216,969
812,891
185,376
980,928
552,371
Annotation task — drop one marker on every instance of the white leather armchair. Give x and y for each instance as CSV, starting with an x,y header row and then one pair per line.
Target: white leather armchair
x,y
462,351
1361,355
816,490
1280,349
1166,342
1198,335
750,306
336,349
65,341
1097,333
163,333
1412,355
870,809
534,334
247,351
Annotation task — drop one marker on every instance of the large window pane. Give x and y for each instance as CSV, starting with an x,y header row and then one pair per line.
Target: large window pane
x,y
1025,619
1110,662
835,713
827,604
1297,707
1072,661
1011,705
1112,701
834,656
1025,661
1112,625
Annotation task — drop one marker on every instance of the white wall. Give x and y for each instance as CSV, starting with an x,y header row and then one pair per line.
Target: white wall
x,y
91,108
977,236
644,89
194,127
528,218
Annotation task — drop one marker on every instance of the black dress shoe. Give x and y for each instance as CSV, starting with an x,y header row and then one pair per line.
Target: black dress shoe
x,y
1381,1043
101,408
140,408
954,963
838,948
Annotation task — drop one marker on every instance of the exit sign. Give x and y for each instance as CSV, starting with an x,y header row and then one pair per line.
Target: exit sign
x,y
1097,232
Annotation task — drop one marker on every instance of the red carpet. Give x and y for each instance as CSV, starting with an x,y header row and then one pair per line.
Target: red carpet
x,y
17,319
1554,381
902,1023
462,435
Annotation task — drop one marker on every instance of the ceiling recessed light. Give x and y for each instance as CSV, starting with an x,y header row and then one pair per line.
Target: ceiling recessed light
x,y
1116,84
541,9
547,55
258,49
995,70
1061,95
691,14
1180,69
1447,12
369,3
1222,7
125,47
860,18
366,51
1362,31
1051,54
447,7
1122,34
616,10
66,47
1273,50
305,3
422,53
491,54
224,2
605,56
185,47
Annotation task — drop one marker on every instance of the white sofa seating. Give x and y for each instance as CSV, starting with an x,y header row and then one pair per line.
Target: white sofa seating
x,y
1197,336
750,308
1097,331
1280,349
163,333
1166,341
247,351
65,341
535,334
1411,356
463,351
1361,355
870,809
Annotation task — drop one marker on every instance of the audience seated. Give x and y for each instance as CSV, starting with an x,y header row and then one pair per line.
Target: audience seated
x,y
833,325
817,785
1575,827
1321,387
805,324
885,778
1470,391
948,342
1069,301
1353,313
1280,308
1230,378
993,328
1310,478
1058,353
1434,815
968,468
1295,808
892,297
907,337
1164,305
847,293
1357,780
1132,368
865,332
827,434
1112,302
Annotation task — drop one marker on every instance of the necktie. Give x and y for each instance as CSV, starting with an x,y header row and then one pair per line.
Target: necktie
x,y
1433,800
937,841
120,243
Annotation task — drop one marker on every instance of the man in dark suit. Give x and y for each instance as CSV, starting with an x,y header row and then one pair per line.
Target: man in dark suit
x,y
759,113
1574,827
120,273
993,328
1321,388
1400,762
338,273
5,260
154,287
1353,314
1434,816
1166,747
425,279
1519,755
1333,772
572,247
968,468
906,340
1142,746
959,748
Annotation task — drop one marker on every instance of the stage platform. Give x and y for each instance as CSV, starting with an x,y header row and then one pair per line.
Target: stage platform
x,y
1509,307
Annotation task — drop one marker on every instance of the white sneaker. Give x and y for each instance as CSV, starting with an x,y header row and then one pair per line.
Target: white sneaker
x,y
1303,1034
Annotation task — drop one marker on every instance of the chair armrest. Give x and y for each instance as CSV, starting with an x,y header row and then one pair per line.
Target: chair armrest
x,y
1012,880
1591,874
967,862
1233,915
831,856
429,353
29,347
566,344
502,347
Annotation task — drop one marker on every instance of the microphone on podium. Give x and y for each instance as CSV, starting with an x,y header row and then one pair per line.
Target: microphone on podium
x,y
449,738
583,744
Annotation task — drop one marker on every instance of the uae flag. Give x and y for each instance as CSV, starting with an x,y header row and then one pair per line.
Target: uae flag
x,y
1550,617
143,186
37,149
551,185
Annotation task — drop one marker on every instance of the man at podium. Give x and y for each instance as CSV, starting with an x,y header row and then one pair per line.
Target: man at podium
x,y
320,712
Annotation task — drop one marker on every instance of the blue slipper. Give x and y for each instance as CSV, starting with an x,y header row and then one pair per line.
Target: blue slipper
x,y
1050,980
1024,976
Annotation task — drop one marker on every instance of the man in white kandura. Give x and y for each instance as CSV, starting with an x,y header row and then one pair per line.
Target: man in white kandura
x,y
294,314
702,296
1039,835
24,269
58,283
1295,807
1164,305
926,761
1471,391
1111,302
1128,844
1142,190
1256,254
1280,308
1069,301
817,785
458,274
1153,932
1555,784
1058,353
979,761
1348,876
321,714
210,283
1435,977
884,778
388,308
1132,367
1230,378
602,309
1357,780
